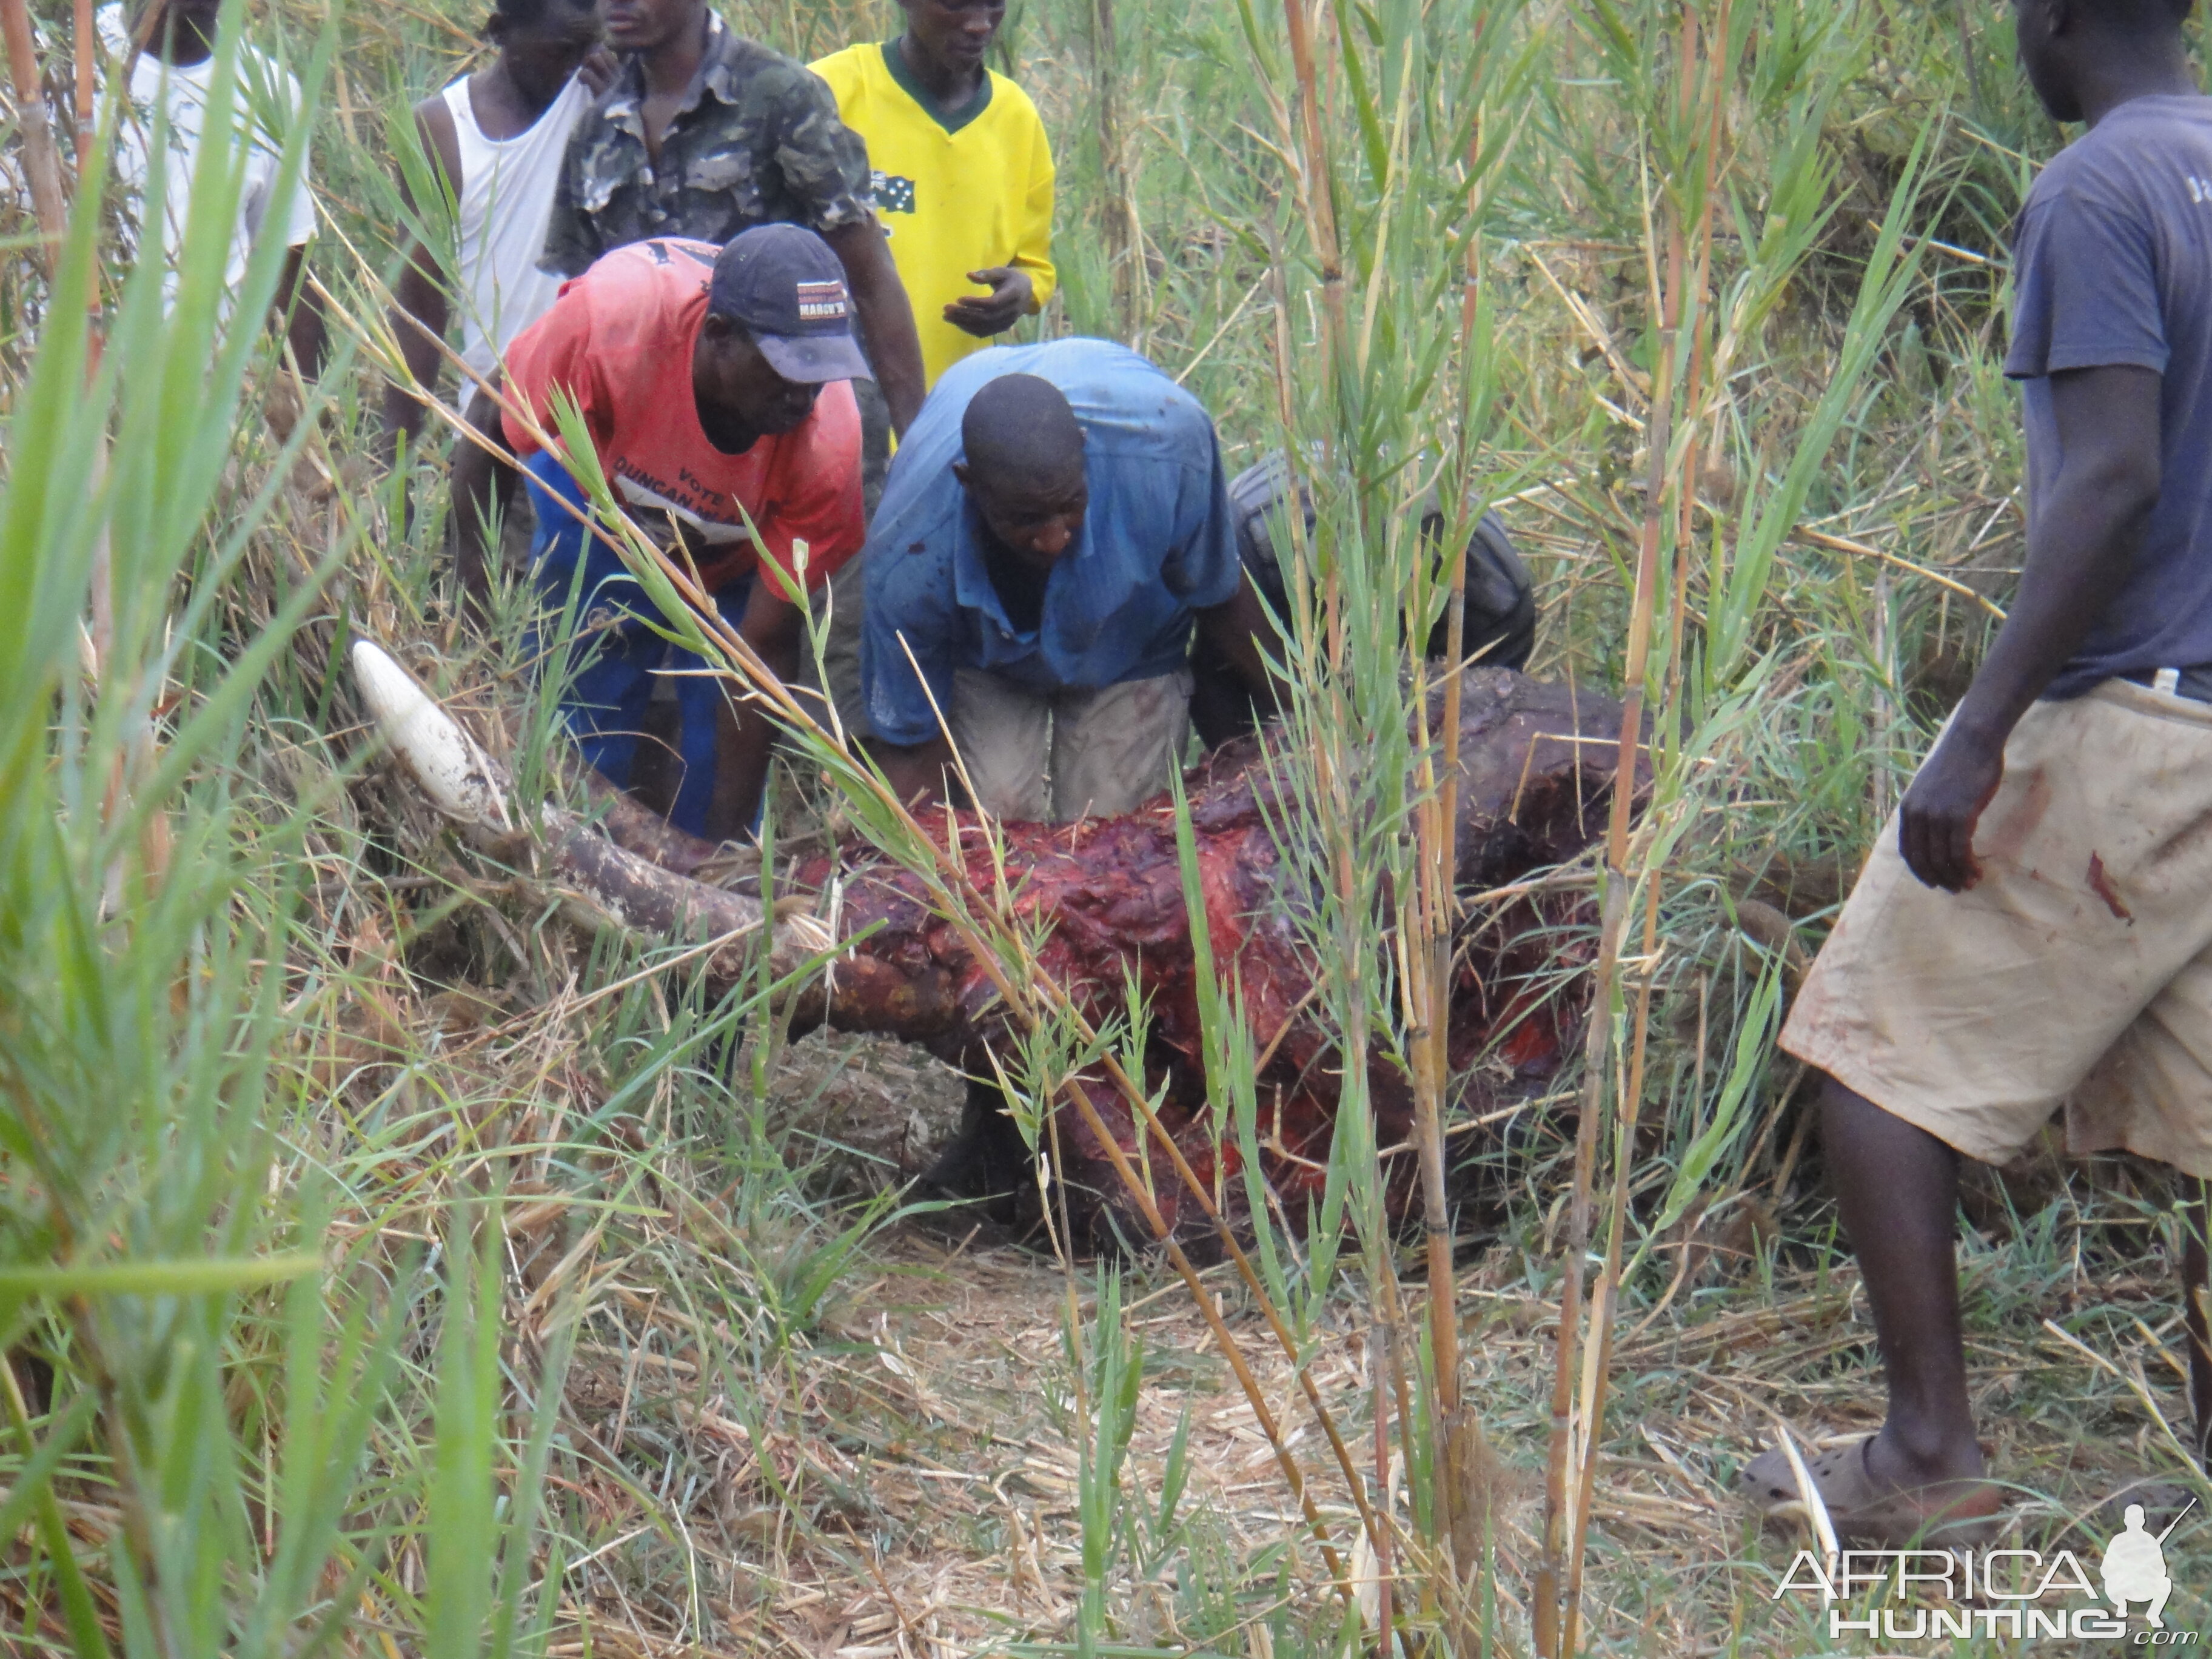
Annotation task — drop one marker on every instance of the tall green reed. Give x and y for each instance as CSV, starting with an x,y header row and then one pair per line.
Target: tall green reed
x,y
1688,155
185,1360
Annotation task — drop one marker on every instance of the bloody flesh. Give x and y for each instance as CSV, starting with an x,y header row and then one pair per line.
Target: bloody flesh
x,y
1106,895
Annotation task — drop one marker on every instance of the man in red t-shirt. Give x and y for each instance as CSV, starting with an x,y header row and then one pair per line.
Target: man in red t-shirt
x,y
714,385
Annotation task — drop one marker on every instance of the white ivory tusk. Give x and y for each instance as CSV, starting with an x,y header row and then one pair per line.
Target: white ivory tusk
x,y
610,885
454,772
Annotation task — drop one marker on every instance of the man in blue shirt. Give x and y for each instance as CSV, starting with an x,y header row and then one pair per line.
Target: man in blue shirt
x,y
1054,522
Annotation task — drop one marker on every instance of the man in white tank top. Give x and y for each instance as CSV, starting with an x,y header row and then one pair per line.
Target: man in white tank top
x,y
169,47
497,136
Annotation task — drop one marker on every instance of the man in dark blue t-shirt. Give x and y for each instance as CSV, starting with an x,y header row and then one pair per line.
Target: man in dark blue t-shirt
x,y
2034,932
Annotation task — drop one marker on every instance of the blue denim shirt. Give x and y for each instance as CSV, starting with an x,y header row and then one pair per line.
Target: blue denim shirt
x,y
1156,544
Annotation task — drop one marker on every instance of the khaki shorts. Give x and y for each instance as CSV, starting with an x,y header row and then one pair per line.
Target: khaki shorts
x,y
2076,973
1055,758
847,594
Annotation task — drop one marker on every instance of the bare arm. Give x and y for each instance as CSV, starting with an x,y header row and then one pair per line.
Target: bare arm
x,y
774,626
481,480
917,775
302,313
886,318
1236,628
2079,548
419,310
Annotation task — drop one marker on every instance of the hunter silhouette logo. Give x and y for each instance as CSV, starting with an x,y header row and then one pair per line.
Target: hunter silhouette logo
x,y
2019,1593
2134,1568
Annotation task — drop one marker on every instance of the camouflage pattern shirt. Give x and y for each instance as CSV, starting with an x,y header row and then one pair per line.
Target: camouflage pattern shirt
x,y
755,141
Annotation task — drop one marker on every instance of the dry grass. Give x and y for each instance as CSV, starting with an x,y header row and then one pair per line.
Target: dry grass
x,y
929,1445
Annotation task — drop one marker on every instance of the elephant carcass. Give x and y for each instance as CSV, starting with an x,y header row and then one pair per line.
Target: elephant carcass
x,y
1536,763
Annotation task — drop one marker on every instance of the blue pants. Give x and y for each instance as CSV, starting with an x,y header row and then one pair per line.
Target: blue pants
x,y
614,669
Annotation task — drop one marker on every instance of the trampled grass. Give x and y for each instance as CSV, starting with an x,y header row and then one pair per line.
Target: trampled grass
x,y
604,1331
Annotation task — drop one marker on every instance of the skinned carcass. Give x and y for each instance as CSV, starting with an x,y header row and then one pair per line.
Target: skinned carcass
x,y
1106,896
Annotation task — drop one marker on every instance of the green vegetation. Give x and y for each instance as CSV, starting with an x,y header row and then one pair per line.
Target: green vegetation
x,y
389,1269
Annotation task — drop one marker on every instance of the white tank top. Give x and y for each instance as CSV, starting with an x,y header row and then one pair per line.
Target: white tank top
x,y
506,196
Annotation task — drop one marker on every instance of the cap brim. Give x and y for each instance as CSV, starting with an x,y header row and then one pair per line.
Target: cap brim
x,y
810,359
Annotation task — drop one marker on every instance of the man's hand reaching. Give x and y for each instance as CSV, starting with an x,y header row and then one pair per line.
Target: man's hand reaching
x,y
597,70
1938,816
1006,304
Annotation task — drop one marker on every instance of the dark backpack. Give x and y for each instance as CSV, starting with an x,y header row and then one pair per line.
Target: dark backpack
x,y
1498,612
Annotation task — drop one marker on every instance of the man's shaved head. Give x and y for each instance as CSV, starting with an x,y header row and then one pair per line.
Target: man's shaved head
x,y
1024,468
1021,437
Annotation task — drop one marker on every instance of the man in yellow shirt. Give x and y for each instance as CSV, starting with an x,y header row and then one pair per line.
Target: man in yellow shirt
x,y
963,187
962,174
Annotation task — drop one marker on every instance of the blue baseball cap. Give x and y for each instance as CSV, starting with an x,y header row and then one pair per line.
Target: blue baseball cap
x,y
785,286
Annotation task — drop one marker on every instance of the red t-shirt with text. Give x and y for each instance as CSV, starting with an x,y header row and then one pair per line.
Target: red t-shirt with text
x,y
618,341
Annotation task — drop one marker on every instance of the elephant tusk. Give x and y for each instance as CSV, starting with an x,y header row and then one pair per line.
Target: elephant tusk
x,y
595,878
448,764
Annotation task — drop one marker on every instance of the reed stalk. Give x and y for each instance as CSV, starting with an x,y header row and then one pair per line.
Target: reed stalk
x,y
85,42
1562,1529
1125,249
1568,1478
41,158
1466,1516
1316,187
1684,318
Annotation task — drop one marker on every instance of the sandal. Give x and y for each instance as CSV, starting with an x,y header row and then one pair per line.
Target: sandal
x,y
1862,1511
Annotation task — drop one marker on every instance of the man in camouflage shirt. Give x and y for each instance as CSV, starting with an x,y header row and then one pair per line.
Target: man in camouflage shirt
x,y
705,134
